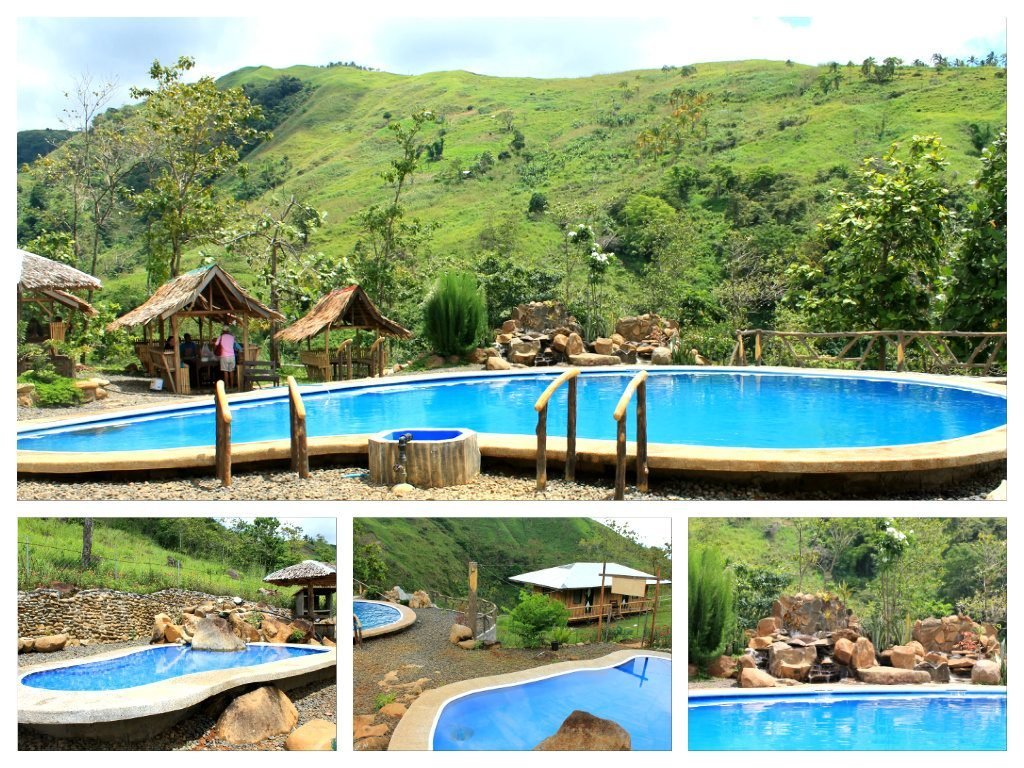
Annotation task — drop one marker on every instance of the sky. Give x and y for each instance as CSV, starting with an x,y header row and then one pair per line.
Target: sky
x,y
53,52
652,531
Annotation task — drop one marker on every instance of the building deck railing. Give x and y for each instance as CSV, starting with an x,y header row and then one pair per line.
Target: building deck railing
x,y
579,613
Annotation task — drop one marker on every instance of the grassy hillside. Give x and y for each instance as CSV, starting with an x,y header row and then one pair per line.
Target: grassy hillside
x,y
50,551
580,151
433,553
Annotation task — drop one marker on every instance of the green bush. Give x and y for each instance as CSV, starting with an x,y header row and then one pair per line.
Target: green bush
x,y
711,598
383,699
561,635
297,636
52,390
455,313
535,615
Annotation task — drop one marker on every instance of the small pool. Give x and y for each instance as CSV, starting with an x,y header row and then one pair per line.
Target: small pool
x,y
372,614
421,435
957,720
156,664
636,694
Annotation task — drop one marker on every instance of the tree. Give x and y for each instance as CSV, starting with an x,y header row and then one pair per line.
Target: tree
x,y
978,293
881,247
712,620
832,537
192,133
538,204
385,234
535,614
455,313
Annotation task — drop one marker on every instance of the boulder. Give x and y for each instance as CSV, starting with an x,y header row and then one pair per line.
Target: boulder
x,y
845,633
574,345
509,326
603,346
50,643
558,343
939,673
863,654
160,623
843,650
807,613
478,356
768,626
497,364
934,657
467,645
434,361
420,599
984,672
790,662
637,328
723,666
243,628
798,671
257,715
504,338
316,735
916,647
756,678
903,657
361,723
892,676
394,709
174,633
459,632
759,643
618,339
746,661
661,356
214,634
585,359
961,664
373,743
627,356
582,731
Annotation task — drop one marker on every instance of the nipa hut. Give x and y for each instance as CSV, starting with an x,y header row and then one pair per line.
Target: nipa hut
x,y
211,297
319,582
348,307
47,283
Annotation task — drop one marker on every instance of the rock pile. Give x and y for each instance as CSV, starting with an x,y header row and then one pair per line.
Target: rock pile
x,y
814,639
370,735
418,599
227,627
543,333
111,616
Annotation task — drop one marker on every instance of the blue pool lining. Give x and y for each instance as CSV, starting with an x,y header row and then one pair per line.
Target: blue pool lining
x,y
725,697
381,602
248,399
609,665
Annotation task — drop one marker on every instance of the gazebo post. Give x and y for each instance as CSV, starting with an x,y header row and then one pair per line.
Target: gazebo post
x,y
240,374
175,385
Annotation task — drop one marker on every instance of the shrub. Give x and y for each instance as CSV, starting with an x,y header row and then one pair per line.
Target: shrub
x,y
383,699
560,635
455,313
535,615
538,203
255,618
711,597
297,636
53,391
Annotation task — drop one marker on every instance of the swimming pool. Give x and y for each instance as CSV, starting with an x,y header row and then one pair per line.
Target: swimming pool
x,y
946,719
518,711
736,420
153,665
377,617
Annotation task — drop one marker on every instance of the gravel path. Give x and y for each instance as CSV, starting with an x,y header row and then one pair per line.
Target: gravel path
x,y
317,700
424,651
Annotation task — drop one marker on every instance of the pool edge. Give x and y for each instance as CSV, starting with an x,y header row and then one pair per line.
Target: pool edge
x,y
407,619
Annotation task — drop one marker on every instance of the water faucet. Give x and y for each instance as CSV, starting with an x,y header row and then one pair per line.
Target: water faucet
x,y
401,475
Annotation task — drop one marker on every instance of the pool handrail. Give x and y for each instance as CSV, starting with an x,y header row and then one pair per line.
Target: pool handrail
x,y
223,436
377,357
541,406
638,385
299,447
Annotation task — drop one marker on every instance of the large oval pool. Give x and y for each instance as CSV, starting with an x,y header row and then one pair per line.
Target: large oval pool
x,y
926,720
636,694
155,664
725,408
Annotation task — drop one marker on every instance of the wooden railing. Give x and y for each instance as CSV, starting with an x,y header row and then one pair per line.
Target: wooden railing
x,y
638,384
297,416
378,357
931,351
541,406
609,611
345,353
223,444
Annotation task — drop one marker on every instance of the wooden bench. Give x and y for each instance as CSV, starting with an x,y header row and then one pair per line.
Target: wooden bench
x,y
261,371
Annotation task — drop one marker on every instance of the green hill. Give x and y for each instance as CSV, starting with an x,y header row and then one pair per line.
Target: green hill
x,y
142,554
759,161
433,553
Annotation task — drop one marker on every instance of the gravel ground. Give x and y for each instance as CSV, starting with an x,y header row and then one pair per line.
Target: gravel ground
x,y
423,650
317,700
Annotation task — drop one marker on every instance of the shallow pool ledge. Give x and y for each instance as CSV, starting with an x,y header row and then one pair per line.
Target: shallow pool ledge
x,y
408,619
415,729
147,709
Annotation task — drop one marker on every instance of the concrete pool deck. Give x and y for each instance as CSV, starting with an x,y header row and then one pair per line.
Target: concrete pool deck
x,y
934,462
145,710
407,619
415,730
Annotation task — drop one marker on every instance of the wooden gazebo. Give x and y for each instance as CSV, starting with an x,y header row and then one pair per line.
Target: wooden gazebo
x,y
48,283
316,579
208,294
347,307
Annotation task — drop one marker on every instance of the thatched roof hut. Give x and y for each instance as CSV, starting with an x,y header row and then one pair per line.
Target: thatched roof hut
x,y
53,296
38,273
207,292
308,574
347,307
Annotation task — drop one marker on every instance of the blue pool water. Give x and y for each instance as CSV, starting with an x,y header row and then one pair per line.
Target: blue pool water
x,y
920,721
636,694
155,664
755,410
374,615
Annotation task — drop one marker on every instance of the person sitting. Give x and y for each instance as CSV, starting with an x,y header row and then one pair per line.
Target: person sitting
x,y
224,348
169,344
187,348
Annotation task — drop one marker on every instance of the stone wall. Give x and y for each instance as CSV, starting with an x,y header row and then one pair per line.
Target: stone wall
x,y
109,616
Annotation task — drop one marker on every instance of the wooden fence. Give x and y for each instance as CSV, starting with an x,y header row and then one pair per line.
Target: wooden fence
x,y
946,352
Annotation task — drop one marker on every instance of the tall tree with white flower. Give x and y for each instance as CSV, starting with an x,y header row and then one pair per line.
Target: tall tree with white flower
x,y
888,617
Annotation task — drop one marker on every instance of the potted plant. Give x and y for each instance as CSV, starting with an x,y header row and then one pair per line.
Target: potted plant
x,y
559,635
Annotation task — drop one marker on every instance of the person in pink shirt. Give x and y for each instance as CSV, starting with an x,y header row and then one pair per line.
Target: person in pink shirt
x,y
224,349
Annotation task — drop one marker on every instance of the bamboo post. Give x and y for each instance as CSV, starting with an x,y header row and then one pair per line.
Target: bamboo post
x,y
175,379
348,360
299,444
570,434
240,371
620,440
642,474
620,461
471,607
223,446
757,349
600,604
654,609
901,352
542,447
743,354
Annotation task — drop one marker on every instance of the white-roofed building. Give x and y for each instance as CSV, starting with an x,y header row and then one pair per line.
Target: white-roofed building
x,y
578,587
